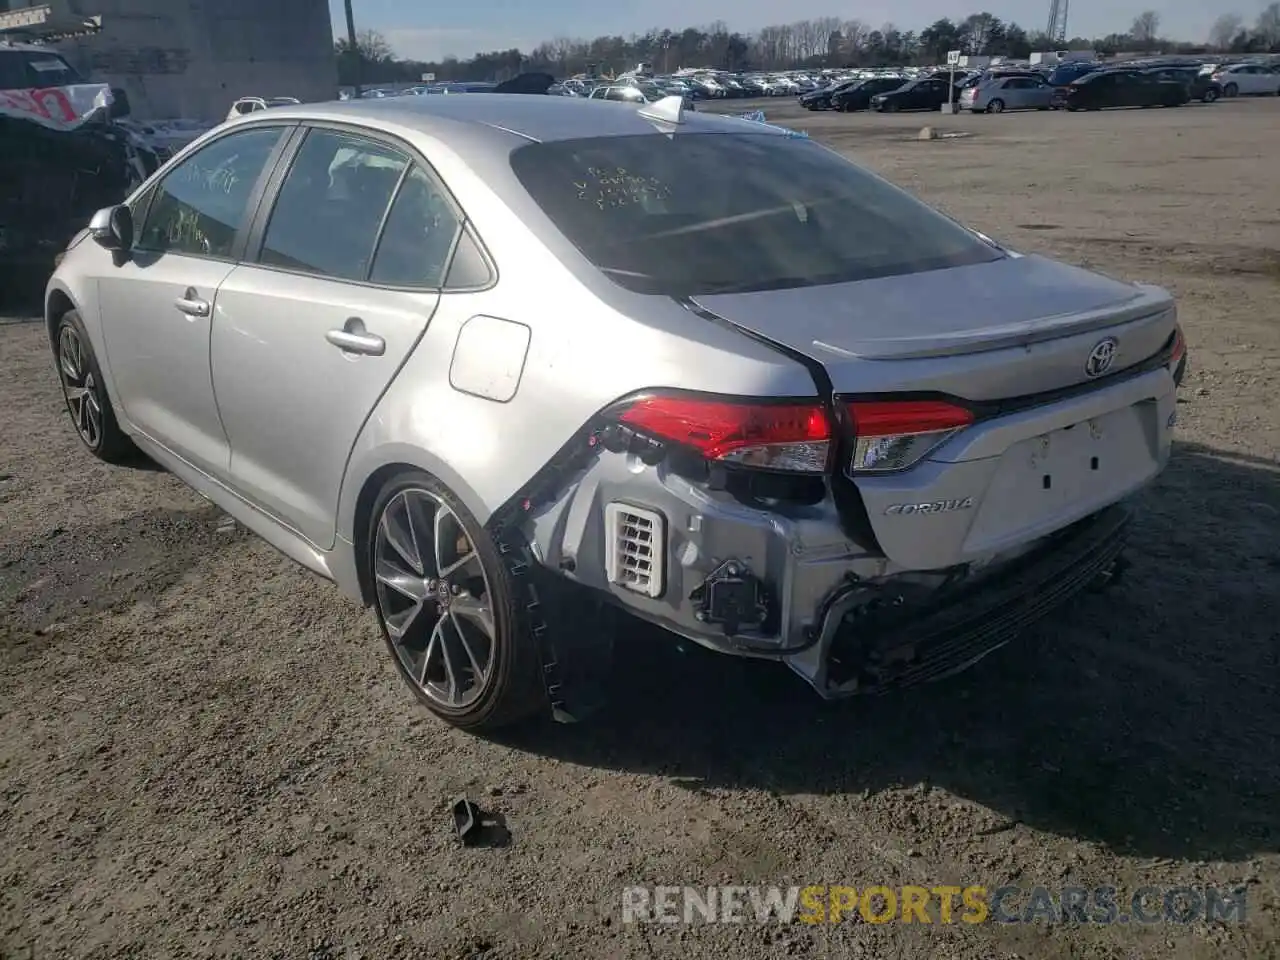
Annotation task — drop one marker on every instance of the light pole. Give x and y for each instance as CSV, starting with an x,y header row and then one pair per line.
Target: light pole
x,y
353,49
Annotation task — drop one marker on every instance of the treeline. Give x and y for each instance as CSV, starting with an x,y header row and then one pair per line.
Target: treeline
x,y
820,42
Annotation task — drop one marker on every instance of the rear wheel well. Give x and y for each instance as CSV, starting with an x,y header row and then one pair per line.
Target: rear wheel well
x,y
360,524
54,310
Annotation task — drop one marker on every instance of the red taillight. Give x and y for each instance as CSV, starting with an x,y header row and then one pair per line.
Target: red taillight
x,y
774,436
896,434
1179,349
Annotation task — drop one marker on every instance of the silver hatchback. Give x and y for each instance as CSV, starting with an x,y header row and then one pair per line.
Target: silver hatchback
x,y
504,366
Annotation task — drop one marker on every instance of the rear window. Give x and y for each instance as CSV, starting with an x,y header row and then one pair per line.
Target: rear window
x,y
717,213
30,69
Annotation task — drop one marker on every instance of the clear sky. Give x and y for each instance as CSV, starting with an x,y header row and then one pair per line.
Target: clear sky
x,y
429,31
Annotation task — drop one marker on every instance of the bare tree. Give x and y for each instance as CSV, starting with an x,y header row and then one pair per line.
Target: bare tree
x,y
1224,30
855,35
1146,28
825,27
1268,26
374,47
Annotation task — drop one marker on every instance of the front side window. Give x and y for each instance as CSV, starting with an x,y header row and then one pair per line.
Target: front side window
x,y
331,205
657,214
200,206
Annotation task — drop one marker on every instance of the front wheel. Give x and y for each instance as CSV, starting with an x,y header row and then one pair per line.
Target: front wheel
x,y
1231,90
85,393
451,610
1209,96
890,107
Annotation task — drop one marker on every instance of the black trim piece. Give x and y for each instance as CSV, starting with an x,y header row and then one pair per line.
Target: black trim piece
x,y
267,192
386,215
849,505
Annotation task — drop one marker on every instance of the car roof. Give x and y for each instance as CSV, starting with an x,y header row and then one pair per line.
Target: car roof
x,y
538,118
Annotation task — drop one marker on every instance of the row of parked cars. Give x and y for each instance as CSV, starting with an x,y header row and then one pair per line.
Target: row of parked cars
x,y
1084,86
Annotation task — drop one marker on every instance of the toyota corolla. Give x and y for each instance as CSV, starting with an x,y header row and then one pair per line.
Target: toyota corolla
x,y
503,366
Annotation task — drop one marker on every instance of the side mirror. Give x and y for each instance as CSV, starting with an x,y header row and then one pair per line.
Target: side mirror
x,y
112,228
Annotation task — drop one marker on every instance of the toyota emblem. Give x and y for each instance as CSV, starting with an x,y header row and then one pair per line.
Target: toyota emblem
x,y
1101,357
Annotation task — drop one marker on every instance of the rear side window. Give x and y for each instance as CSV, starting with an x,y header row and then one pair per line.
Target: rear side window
x,y
331,206
418,237
657,214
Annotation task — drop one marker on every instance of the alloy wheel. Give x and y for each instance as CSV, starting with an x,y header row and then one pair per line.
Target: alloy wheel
x,y
434,598
80,387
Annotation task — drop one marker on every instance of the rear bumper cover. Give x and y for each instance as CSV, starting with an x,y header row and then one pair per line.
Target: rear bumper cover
x,y
875,639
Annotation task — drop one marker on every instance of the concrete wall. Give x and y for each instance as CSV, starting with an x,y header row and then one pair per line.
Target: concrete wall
x,y
193,58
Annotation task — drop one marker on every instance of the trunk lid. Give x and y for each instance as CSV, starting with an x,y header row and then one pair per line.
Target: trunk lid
x,y
1022,329
994,330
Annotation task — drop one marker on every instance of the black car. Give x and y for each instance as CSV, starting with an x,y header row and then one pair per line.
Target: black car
x,y
858,96
820,99
1120,88
928,94
1200,86
1066,73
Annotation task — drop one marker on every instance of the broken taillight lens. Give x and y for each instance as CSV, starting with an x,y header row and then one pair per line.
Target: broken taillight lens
x,y
767,435
896,434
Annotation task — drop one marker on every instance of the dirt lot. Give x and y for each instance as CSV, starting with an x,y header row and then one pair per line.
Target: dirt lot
x,y
203,751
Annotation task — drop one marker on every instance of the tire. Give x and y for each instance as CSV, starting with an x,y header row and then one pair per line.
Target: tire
x,y
1231,90
891,107
468,679
85,393
995,106
1209,96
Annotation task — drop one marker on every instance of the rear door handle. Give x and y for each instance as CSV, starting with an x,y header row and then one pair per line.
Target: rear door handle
x,y
354,338
192,305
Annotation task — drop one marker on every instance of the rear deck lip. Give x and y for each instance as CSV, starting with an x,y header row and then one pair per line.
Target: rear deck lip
x,y
991,409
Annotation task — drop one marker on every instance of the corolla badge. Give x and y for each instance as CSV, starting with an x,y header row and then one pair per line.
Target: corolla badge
x,y
933,506
1101,357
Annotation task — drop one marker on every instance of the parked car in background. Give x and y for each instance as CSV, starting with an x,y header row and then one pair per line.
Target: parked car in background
x,y
859,95
998,94
34,67
1200,85
1248,79
1066,73
641,92
247,105
1103,89
928,94
820,99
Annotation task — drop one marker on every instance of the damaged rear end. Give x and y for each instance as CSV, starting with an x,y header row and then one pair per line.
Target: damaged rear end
x,y
978,424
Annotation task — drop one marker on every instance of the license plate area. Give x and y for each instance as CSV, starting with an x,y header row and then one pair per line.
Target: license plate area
x,y
1047,481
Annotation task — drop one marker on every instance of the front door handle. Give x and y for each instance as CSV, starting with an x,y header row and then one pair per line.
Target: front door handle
x,y
354,338
192,305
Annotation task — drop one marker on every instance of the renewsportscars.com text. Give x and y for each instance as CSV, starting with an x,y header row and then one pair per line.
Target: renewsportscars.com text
x,y
942,904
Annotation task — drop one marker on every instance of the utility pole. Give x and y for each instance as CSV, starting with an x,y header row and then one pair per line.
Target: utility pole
x,y
353,49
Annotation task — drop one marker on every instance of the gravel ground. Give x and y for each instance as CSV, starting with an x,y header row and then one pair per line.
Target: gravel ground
x,y
204,751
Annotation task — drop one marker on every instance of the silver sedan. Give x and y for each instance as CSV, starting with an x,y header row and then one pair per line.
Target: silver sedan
x,y
997,94
503,367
